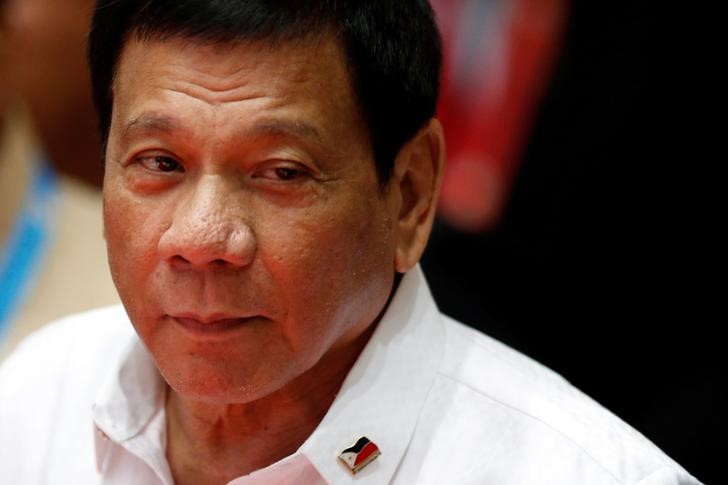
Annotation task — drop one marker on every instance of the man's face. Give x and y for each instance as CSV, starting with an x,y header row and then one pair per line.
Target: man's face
x,y
246,231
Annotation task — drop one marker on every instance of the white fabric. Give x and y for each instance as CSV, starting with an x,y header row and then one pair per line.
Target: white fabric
x,y
81,402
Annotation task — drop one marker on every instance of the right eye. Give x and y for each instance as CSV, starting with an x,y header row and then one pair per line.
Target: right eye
x,y
160,163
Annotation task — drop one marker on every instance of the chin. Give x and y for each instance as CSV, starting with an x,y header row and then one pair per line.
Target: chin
x,y
219,383
215,391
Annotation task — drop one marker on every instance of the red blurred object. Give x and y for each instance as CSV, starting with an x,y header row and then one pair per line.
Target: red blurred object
x,y
498,59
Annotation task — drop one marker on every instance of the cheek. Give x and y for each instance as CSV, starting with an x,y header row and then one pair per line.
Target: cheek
x,y
334,270
131,230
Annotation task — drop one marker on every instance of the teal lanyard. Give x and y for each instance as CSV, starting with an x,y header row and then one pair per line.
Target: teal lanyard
x,y
27,244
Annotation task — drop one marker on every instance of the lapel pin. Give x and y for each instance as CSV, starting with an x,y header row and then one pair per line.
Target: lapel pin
x,y
360,454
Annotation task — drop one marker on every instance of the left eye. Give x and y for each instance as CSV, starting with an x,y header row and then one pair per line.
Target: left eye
x,y
281,173
160,163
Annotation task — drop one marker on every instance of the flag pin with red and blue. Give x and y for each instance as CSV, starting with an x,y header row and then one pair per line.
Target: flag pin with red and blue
x,y
360,454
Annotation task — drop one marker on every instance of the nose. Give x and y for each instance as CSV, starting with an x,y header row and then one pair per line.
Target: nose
x,y
208,229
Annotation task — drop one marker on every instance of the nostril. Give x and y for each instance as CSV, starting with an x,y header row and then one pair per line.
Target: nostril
x,y
179,261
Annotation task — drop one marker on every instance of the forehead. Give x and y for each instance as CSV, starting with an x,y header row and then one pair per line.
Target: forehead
x,y
221,72
303,85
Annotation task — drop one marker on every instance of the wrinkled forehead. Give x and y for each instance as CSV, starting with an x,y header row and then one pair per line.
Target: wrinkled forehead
x,y
301,89
312,70
298,50
290,63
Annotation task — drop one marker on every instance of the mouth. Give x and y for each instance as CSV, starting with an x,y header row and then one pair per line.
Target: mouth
x,y
211,326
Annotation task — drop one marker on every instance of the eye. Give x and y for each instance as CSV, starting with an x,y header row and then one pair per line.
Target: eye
x,y
160,163
283,173
287,173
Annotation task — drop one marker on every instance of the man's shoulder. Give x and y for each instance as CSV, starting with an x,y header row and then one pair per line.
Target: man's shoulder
x,y
495,370
507,405
47,388
91,326
73,351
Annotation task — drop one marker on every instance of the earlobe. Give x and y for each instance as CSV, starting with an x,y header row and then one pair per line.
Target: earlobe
x,y
418,175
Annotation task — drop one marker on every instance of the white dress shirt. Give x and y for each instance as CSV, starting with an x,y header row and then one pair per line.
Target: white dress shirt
x,y
82,402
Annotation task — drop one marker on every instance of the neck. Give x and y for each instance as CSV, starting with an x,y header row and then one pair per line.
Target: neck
x,y
233,440
16,168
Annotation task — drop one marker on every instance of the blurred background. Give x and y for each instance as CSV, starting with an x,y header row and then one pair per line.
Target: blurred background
x,y
554,233
569,237
52,254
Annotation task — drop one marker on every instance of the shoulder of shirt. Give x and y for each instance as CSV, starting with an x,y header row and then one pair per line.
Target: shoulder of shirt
x,y
76,351
47,389
91,326
530,392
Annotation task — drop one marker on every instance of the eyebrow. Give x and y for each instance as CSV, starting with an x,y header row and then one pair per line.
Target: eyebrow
x,y
152,122
297,129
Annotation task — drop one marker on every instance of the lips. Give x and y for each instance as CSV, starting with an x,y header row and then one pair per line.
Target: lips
x,y
212,324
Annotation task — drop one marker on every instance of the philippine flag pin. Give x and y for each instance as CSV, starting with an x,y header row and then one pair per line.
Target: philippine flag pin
x,y
360,454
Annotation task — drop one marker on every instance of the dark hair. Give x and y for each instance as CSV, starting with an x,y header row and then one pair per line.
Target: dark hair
x,y
392,47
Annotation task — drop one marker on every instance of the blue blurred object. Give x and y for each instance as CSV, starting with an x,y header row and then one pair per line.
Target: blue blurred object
x,y
27,243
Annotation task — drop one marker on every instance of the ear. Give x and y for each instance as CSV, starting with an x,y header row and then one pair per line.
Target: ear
x,y
417,177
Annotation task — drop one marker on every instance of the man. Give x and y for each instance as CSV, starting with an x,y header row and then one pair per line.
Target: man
x,y
271,172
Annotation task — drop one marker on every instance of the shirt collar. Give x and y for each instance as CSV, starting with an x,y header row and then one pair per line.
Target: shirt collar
x,y
128,400
381,397
386,389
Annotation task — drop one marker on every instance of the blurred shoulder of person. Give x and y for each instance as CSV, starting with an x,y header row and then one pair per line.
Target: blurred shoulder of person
x,y
52,252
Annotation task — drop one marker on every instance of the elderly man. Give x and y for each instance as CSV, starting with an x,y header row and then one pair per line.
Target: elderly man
x,y
271,176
